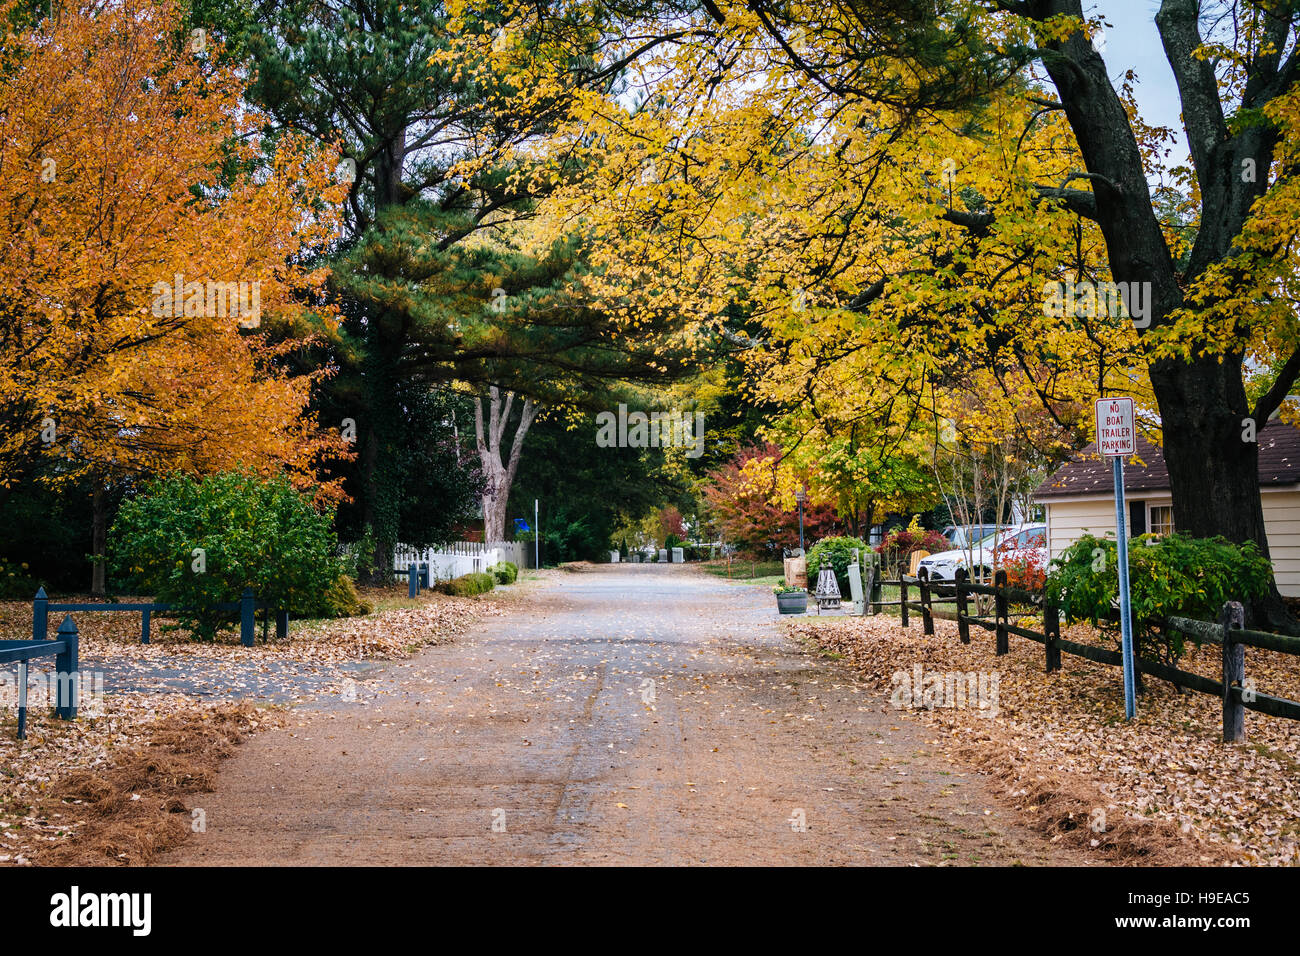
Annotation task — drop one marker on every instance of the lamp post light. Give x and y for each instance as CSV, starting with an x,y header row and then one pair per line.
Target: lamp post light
x,y
801,496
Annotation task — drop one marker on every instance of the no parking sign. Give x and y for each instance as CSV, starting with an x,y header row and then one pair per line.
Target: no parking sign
x,y
1117,438
1116,432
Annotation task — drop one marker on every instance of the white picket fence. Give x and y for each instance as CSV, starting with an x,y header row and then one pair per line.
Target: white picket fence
x,y
451,560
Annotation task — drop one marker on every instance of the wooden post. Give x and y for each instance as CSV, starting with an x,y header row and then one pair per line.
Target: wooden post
x,y
281,624
1232,618
963,625
66,666
40,616
144,626
927,619
412,581
1003,612
247,618
1052,631
902,596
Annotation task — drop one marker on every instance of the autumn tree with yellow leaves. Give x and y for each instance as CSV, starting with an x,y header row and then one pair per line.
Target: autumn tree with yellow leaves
x,y
780,216
929,183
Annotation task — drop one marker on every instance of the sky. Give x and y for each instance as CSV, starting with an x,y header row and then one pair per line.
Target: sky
x,y
1134,43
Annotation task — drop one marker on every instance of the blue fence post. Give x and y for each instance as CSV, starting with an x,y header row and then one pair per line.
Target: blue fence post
x,y
412,581
144,626
66,665
40,616
247,628
281,624
22,700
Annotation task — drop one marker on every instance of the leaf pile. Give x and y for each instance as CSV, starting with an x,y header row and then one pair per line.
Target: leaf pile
x,y
1239,802
160,746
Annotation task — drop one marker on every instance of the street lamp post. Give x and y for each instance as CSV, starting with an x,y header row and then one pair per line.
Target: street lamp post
x,y
800,496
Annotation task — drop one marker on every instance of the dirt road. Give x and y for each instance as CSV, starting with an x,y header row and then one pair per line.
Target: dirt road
x,y
636,714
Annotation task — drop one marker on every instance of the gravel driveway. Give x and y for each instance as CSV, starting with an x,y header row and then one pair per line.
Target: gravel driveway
x,y
634,714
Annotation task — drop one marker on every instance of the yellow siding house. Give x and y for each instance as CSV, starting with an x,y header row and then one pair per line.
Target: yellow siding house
x,y
1079,499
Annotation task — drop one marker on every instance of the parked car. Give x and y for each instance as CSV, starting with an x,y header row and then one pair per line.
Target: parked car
x,y
965,535
1013,541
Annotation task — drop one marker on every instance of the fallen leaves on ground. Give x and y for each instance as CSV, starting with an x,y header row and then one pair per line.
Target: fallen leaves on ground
x,y
97,743
1240,801
388,634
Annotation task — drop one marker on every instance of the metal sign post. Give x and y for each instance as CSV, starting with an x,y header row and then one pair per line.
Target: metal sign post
x,y
537,538
1116,433
801,496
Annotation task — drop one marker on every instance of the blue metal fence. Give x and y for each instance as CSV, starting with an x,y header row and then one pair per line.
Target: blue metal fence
x,y
66,665
247,606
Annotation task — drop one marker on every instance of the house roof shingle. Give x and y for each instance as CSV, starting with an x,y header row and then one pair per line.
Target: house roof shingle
x,y
1089,474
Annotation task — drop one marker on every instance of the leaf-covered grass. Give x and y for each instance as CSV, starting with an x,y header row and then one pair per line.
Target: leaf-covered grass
x,y
1060,739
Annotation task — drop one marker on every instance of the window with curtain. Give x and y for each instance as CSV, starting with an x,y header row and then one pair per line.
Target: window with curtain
x,y
1162,519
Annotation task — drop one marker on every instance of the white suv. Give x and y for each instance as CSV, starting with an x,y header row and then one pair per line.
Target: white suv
x,y
965,535
1019,540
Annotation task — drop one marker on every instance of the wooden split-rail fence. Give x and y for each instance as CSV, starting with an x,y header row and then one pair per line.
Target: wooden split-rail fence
x,y
1235,689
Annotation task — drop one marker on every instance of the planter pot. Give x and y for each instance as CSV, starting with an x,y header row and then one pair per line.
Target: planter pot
x,y
792,602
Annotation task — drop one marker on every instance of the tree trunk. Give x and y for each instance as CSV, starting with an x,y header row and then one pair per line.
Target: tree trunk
x,y
380,492
498,472
99,538
1213,472
1214,475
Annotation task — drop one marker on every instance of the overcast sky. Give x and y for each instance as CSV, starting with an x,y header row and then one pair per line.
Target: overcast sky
x,y
1133,43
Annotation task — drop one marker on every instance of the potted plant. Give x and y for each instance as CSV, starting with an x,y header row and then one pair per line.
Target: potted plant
x,y
836,553
791,600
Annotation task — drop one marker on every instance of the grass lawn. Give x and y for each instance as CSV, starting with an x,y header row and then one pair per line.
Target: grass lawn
x,y
744,571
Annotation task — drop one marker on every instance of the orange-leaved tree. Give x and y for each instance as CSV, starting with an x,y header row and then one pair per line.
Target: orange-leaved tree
x,y
151,239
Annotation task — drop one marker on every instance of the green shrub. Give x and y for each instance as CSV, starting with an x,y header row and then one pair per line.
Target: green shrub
x,y
505,572
468,585
837,553
15,582
342,600
358,554
200,542
1171,575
